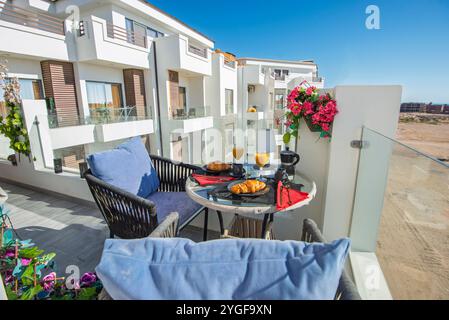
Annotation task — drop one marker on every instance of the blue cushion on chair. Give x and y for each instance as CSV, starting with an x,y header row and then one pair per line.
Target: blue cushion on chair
x,y
179,269
127,167
168,202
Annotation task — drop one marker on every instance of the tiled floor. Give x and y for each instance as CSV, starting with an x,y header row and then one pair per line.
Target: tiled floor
x,y
74,232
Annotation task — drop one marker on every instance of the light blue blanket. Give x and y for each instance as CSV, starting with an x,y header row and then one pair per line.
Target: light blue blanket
x,y
179,269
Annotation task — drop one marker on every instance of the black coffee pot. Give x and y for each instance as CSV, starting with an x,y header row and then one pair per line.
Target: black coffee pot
x,y
289,160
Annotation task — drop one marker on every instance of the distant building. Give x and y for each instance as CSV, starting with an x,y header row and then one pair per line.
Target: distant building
x,y
412,107
437,108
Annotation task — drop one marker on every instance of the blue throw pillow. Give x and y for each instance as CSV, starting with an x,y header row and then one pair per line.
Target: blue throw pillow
x,y
179,269
127,167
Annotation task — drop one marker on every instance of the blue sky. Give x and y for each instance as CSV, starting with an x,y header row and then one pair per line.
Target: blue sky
x,y
410,49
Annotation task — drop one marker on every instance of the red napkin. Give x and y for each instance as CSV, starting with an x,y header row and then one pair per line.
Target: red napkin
x,y
289,197
210,180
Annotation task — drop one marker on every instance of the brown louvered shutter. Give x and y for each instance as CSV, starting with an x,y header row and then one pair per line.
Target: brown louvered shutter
x,y
135,90
59,84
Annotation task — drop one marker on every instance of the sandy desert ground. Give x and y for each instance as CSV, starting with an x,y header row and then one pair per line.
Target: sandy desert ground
x,y
413,242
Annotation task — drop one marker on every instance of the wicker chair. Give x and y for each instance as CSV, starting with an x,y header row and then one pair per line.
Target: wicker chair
x,y
346,289
131,217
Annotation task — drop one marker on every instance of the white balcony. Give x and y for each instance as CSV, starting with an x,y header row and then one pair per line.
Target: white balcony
x,y
254,75
25,32
177,53
102,41
123,130
195,119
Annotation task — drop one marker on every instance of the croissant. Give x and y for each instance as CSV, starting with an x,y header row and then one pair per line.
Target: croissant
x,y
218,166
249,186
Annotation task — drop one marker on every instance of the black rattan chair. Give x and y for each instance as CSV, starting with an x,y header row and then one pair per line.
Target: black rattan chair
x,y
346,288
131,217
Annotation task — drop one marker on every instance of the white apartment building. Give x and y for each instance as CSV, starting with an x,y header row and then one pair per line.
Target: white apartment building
x,y
101,72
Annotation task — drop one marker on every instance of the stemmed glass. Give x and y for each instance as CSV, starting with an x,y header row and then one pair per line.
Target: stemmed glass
x,y
262,158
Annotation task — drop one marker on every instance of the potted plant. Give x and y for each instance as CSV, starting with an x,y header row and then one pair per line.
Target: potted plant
x,y
318,111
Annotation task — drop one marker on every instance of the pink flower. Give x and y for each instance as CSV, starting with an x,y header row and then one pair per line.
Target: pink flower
x,y
296,109
49,281
25,262
288,123
310,91
325,127
308,108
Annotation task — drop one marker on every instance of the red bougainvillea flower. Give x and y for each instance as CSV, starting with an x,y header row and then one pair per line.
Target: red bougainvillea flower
x,y
310,91
296,109
308,108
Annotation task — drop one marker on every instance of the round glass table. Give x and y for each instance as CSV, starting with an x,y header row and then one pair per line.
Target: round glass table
x,y
247,207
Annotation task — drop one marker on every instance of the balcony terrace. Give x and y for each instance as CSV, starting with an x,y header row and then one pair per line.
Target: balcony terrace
x,y
176,52
41,35
102,41
193,119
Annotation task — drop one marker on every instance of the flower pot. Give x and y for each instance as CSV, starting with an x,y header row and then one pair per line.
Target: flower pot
x,y
312,127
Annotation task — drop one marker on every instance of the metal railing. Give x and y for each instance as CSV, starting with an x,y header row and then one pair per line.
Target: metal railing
x,y
280,77
198,51
230,63
97,116
26,17
190,113
136,38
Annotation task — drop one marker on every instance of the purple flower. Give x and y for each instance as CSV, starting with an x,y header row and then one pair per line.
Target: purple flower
x,y
8,277
25,262
88,279
10,253
48,282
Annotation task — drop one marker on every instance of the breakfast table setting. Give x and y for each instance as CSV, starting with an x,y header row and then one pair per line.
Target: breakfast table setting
x,y
254,193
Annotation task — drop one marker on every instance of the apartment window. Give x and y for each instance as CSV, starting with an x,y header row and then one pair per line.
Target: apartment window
x,y
30,89
154,33
281,74
139,28
101,95
229,101
182,97
279,101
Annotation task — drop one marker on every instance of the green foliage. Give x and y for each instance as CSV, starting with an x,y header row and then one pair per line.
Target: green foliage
x,y
13,128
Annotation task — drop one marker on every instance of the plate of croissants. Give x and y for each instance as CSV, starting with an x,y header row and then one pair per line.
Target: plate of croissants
x,y
248,188
217,167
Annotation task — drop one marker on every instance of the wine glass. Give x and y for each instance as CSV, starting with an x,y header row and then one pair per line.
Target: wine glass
x,y
262,158
237,153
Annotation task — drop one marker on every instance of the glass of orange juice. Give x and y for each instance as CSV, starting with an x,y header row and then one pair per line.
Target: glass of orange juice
x,y
262,158
237,153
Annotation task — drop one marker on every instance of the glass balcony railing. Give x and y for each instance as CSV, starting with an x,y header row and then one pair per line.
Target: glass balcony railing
x,y
401,213
190,113
97,116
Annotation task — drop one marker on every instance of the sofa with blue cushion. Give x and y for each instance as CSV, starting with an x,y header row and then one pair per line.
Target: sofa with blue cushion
x,y
135,192
238,269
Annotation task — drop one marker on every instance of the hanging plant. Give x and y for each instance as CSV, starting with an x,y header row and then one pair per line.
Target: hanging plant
x,y
318,111
12,126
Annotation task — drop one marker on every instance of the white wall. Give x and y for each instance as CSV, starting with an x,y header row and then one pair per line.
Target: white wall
x,y
376,107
